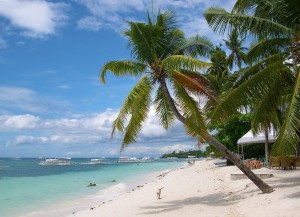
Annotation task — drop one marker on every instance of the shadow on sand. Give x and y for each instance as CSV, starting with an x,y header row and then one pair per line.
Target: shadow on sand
x,y
216,199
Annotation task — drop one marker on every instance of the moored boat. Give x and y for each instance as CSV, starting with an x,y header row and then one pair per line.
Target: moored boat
x,y
55,162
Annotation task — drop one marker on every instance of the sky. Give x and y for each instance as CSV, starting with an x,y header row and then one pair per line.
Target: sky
x,y
52,103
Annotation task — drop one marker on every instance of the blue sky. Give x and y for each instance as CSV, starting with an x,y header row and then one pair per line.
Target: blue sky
x,y
51,52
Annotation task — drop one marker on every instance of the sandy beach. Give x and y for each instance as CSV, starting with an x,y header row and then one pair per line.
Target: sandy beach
x,y
205,190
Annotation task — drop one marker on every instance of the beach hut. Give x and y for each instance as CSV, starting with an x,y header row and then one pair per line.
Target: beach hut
x,y
251,138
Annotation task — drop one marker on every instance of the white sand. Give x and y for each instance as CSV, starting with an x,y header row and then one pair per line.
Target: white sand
x,y
206,190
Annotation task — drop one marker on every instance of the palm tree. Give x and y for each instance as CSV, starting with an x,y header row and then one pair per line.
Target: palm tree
x,y
164,58
235,45
218,73
273,78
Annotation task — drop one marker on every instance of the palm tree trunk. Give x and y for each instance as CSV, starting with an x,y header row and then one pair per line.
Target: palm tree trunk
x,y
264,187
267,145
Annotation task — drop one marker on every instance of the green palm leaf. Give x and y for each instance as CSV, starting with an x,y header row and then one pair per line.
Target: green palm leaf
x,y
122,68
131,103
219,20
248,6
177,62
143,41
266,48
266,108
163,110
194,46
194,122
249,91
138,104
248,72
194,83
288,139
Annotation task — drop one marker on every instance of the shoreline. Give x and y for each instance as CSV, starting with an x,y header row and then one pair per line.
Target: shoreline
x,y
102,196
207,190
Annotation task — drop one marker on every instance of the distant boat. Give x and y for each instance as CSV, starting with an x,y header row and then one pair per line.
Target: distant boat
x,y
94,161
147,159
191,156
128,160
55,162
134,160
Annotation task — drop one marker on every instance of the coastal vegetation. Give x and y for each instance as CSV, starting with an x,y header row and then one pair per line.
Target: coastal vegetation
x,y
165,60
269,86
229,131
184,154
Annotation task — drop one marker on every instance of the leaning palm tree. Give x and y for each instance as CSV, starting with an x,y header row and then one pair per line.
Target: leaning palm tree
x,y
272,81
164,58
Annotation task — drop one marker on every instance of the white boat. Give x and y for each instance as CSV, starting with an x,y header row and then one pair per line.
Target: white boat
x,y
147,159
128,160
55,162
134,160
94,161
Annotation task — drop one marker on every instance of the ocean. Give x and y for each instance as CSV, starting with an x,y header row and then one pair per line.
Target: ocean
x,y
27,187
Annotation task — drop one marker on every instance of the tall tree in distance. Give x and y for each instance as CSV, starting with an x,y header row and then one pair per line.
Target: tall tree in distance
x,y
218,72
164,59
237,51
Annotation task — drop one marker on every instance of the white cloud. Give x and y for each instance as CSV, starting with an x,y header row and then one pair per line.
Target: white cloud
x,y
3,43
18,122
113,13
89,132
24,99
37,18
90,23
20,98
25,140
64,86
71,153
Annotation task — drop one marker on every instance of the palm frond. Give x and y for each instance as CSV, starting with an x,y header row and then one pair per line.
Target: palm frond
x,y
178,62
194,119
288,139
266,110
219,20
122,68
266,48
142,41
163,110
248,72
195,46
249,91
194,83
167,20
250,6
137,105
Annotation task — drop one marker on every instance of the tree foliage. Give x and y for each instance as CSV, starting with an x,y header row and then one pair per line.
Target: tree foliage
x,y
271,84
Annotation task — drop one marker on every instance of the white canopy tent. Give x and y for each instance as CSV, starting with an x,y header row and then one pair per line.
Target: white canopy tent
x,y
251,138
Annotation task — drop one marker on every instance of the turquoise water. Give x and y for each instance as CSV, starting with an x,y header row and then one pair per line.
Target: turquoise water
x,y
26,186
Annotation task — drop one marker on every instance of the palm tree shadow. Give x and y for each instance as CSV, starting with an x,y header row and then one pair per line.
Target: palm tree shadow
x,y
217,199
286,182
